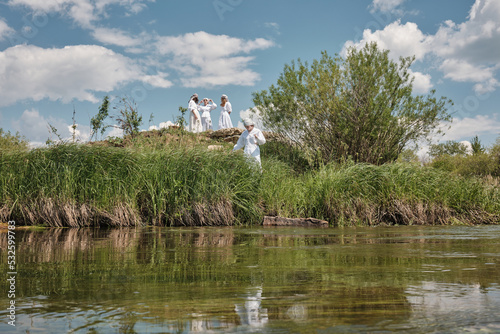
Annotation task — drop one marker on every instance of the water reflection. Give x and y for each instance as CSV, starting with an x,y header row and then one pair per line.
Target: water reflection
x,y
261,280
251,313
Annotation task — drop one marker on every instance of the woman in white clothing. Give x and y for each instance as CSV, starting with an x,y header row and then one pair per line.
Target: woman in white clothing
x,y
194,115
250,139
225,119
206,109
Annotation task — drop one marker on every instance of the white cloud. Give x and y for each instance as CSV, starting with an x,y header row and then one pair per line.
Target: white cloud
x,y
386,5
402,40
421,83
205,60
469,127
464,52
36,128
158,80
114,36
115,132
73,72
5,30
460,70
463,130
83,12
162,125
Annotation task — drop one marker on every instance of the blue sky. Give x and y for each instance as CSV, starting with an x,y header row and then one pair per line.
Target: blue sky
x,y
60,55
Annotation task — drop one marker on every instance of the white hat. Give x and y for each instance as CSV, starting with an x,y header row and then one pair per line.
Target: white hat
x,y
224,96
248,122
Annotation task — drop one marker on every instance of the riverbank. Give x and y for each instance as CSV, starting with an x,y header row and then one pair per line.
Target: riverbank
x,y
176,184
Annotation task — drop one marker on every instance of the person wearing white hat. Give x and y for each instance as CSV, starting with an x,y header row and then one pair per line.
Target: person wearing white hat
x,y
225,118
194,114
250,139
206,108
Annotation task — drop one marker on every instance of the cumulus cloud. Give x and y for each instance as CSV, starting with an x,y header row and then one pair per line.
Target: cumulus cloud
x,y
5,30
36,128
463,130
469,127
115,132
205,60
162,125
403,40
84,12
464,52
421,82
72,72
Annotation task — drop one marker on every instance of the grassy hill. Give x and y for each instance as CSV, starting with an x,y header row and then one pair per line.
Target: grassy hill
x,y
169,177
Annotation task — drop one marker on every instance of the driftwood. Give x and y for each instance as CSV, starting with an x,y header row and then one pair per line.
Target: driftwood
x,y
281,221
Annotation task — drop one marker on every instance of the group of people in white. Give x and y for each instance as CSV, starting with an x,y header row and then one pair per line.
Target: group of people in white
x,y
249,140
201,123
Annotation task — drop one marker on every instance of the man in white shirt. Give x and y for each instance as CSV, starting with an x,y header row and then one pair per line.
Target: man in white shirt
x,y
250,139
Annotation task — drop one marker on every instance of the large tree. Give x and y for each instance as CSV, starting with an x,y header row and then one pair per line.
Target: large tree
x,y
361,106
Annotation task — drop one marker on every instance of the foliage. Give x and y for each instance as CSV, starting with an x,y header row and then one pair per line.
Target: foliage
x,y
477,147
360,107
495,154
128,117
453,158
97,122
449,148
287,153
12,142
180,120
408,155
53,130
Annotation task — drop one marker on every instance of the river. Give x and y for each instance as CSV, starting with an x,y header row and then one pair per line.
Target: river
x,y
261,280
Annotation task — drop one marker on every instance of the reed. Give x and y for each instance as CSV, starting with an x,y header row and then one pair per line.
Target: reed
x,y
364,194
77,185
89,185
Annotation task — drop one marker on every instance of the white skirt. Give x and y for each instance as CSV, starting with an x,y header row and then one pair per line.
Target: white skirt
x,y
225,120
195,124
206,122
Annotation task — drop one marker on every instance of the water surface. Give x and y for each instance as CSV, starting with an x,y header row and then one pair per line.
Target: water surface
x,y
262,280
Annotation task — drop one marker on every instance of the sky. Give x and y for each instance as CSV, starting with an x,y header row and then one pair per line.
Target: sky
x,y
63,56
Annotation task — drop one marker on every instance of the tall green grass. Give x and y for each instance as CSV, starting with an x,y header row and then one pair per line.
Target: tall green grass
x,y
363,194
86,185
81,185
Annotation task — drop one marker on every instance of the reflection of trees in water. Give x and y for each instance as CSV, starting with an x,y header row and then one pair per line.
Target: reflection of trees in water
x,y
64,244
202,279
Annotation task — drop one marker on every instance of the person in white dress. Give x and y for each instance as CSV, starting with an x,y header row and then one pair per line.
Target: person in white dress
x,y
206,108
250,139
225,118
194,115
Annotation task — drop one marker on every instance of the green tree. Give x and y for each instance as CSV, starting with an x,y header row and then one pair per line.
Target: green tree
x,y
477,147
180,120
128,117
12,142
449,148
97,122
360,107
